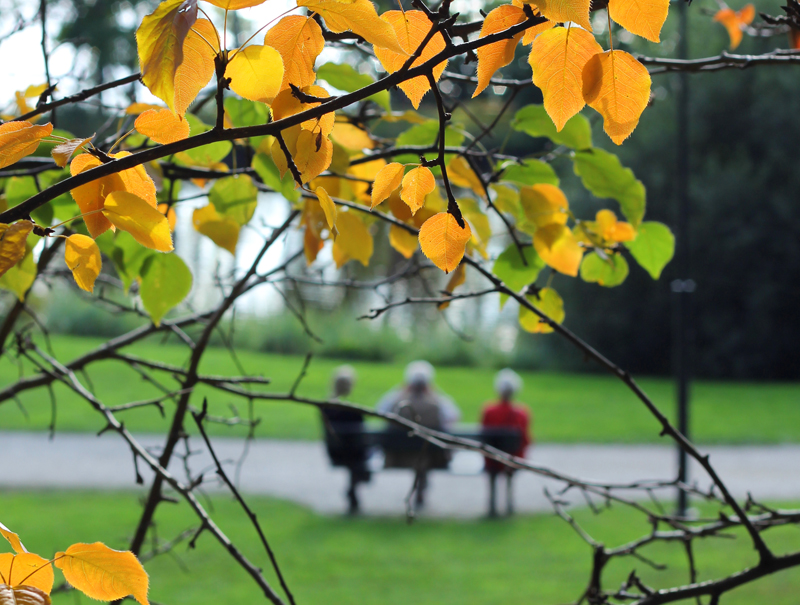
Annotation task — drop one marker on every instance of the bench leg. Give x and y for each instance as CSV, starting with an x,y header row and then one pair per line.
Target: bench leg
x,y
492,494
509,494
352,496
422,484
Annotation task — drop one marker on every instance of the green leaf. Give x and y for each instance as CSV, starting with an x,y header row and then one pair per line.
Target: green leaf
x,y
166,281
19,278
548,302
513,272
207,154
530,172
604,175
653,247
507,200
235,197
608,272
534,121
344,77
266,169
245,113
20,188
126,254
426,134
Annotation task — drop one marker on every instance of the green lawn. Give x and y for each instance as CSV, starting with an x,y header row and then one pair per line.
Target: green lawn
x,y
567,407
332,560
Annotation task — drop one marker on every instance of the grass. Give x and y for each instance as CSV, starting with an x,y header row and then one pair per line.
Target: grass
x,y
332,560
568,408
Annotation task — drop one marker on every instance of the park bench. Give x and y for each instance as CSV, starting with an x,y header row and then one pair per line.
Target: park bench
x,y
402,450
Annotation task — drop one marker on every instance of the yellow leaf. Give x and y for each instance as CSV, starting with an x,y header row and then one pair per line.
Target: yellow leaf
x,y
233,5
461,174
641,17
417,183
299,41
443,241
256,73
20,139
561,11
618,87
9,535
286,104
479,224
82,256
359,17
19,278
137,181
160,40
197,67
351,137
403,241
609,229
354,240
544,204
557,58
135,215
313,155
558,248
532,32
221,230
162,126
102,573
386,181
27,569
169,212
735,22
63,152
498,54
12,251
410,29
457,278
327,205
548,302
134,109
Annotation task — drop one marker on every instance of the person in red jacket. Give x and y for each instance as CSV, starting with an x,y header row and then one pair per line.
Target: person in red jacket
x,y
505,414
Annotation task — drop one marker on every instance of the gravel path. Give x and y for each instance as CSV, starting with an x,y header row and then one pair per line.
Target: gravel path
x,y
299,471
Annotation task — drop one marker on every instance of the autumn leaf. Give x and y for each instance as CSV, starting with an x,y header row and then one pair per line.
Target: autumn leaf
x,y
443,241
233,5
641,17
461,174
457,278
548,302
256,73
735,22
64,151
354,240
162,126
19,278
558,57
27,569
417,183
532,33
498,54
359,17
403,241
286,104
328,207
83,258
102,573
197,67
12,250
558,248
13,539
609,229
544,204
410,28
351,137
220,229
313,154
386,181
299,41
135,215
618,87
160,40
20,139
562,11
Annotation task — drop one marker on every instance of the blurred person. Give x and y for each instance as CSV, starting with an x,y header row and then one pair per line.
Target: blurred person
x,y
505,414
419,401
344,435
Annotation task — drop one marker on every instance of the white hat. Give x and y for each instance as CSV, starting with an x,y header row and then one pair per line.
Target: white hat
x,y
343,379
419,373
507,382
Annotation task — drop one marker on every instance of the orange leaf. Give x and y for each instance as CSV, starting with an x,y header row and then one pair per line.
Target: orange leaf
x,y
735,22
286,104
641,17
618,87
386,181
443,241
90,197
102,573
233,5
135,215
457,278
411,28
313,154
417,183
557,58
403,241
544,204
531,33
561,11
256,73
12,250
27,569
558,248
82,256
498,54
299,41
162,126
20,139
197,67
9,535
354,241
359,17
63,152
327,205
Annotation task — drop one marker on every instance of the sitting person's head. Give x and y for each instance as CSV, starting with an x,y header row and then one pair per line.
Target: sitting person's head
x,y
507,383
419,376
343,380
